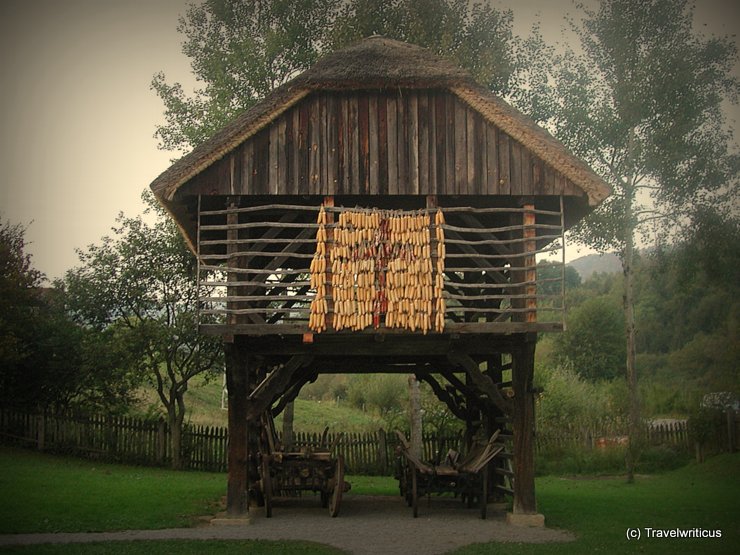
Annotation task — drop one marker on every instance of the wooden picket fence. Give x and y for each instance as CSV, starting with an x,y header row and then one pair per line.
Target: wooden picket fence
x,y
147,442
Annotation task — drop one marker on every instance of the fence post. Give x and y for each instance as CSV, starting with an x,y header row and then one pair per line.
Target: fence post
x,y
41,430
161,440
382,452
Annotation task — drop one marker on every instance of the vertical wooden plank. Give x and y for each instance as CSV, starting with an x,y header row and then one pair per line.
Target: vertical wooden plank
x,y
282,161
262,163
413,142
492,174
294,153
461,149
289,154
354,144
332,143
382,145
273,159
363,131
470,151
432,147
392,125
304,148
343,147
504,163
374,182
323,146
516,168
440,154
247,173
424,158
481,153
402,141
450,169
538,177
527,188
314,161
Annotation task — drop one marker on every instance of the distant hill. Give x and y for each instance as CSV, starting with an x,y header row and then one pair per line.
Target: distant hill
x,y
596,263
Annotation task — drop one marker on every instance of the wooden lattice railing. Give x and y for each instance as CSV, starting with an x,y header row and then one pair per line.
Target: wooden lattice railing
x,y
256,263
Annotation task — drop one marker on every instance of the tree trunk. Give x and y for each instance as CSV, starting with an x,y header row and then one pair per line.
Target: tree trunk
x,y
175,422
634,428
415,401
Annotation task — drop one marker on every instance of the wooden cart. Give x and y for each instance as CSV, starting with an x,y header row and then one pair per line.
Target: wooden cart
x,y
467,478
291,473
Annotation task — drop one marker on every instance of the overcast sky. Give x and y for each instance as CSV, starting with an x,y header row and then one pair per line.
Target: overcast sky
x,y
77,117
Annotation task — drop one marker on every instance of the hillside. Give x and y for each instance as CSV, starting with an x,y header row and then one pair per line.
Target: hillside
x,y
591,264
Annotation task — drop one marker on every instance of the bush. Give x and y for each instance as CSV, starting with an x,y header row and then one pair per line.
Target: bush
x,y
661,458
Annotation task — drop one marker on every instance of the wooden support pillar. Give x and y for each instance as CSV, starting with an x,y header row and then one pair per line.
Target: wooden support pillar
x,y
530,274
523,428
237,367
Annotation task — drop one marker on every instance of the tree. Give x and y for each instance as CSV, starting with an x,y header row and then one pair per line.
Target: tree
x,y
48,362
593,343
241,50
642,104
140,285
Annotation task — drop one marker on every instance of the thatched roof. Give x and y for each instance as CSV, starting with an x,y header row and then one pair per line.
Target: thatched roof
x,y
381,63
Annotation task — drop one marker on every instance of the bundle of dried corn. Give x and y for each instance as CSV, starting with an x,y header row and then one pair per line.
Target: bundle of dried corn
x,y
382,272
319,305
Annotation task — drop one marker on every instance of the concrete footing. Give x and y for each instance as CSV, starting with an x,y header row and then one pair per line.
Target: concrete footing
x,y
534,520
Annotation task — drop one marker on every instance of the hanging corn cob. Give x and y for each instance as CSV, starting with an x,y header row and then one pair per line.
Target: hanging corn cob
x,y
382,271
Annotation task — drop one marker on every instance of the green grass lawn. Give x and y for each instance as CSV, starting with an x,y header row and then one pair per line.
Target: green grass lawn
x,y
43,493
599,511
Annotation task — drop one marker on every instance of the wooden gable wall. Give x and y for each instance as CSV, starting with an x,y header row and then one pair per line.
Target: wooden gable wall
x,y
407,142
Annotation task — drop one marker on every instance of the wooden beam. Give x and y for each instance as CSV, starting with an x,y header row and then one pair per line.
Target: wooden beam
x,y
484,384
523,428
237,366
274,385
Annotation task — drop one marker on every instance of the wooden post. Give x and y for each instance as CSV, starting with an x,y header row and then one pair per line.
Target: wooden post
x,y
236,382
530,274
523,427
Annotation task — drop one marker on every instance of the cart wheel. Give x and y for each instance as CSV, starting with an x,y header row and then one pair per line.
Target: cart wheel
x,y
484,493
336,496
267,486
414,494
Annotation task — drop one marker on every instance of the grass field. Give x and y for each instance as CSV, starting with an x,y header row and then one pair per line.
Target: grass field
x,y
42,493
204,409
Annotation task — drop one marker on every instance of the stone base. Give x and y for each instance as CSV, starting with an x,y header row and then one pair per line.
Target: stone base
x,y
535,520
224,519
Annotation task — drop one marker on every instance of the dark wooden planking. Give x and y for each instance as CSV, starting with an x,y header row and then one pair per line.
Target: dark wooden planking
x,y
492,167
424,158
314,131
382,144
368,142
461,149
413,142
440,153
304,148
332,144
343,147
526,159
363,107
354,146
504,163
282,154
324,146
470,151
373,140
274,159
392,130
431,148
401,144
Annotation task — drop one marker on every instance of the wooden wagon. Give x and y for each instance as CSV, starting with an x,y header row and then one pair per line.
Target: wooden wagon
x,y
285,473
466,478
